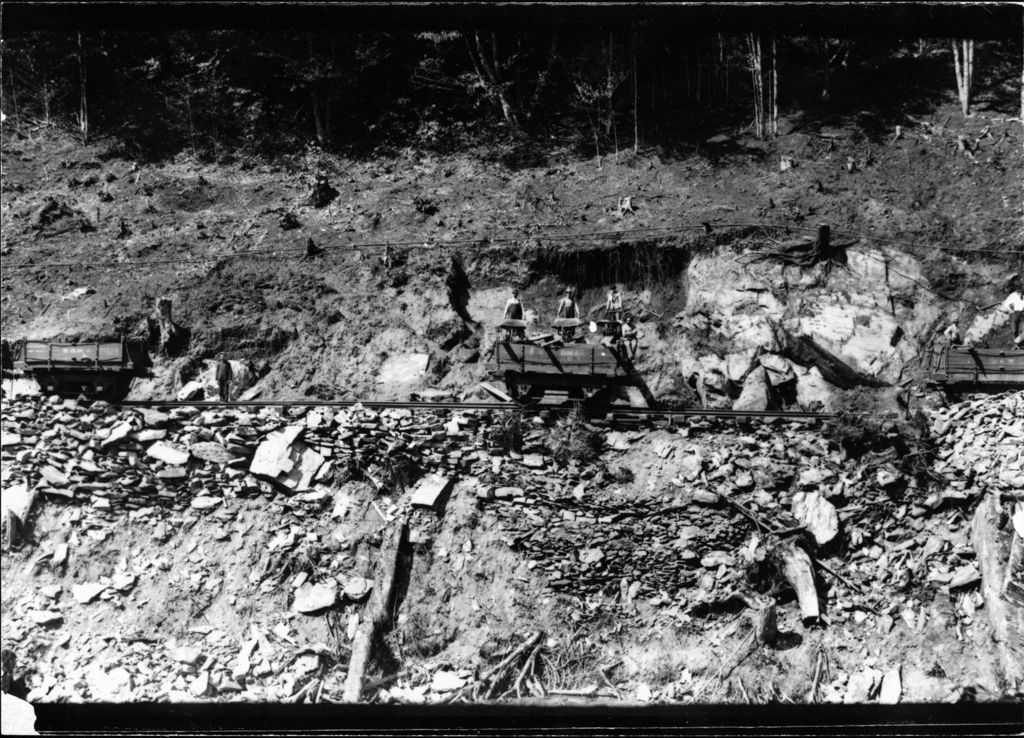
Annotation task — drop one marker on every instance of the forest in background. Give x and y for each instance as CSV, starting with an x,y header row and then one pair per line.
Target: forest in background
x,y
222,93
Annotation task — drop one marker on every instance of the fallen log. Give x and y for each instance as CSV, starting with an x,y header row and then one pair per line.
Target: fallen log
x,y
994,553
375,614
807,352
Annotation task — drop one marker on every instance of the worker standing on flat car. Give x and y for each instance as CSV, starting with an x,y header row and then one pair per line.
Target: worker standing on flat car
x,y
951,336
568,316
1015,304
514,311
567,307
224,377
613,305
513,307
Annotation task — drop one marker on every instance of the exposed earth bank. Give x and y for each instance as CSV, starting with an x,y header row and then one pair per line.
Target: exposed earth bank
x,y
226,243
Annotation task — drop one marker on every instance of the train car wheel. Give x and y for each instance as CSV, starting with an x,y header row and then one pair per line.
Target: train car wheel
x,y
116,390
526,394
533,395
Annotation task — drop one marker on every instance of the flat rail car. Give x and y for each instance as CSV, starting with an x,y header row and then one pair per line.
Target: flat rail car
x,y
104,370
964,366
532,367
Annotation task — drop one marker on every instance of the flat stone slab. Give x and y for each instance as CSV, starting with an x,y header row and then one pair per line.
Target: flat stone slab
x,y
152,418
313,597
430,489
117,433
211,451
405,369
273,456
305,464
169,453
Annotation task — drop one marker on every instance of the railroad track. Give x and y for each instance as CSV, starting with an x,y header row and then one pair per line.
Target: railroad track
x,y
616,411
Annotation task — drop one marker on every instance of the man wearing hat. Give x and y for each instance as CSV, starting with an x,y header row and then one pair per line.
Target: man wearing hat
x,y
567,307
224,377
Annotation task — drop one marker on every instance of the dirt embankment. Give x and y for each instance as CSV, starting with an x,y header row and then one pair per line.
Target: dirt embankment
x,y
226,243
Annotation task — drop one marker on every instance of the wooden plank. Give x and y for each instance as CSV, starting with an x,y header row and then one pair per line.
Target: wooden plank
x,y
495,392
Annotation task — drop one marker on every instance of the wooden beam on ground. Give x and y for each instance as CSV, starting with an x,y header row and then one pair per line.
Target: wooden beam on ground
x,y
495,392
376,612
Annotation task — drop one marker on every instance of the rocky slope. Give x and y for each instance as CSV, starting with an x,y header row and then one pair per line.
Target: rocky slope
x,y
228,555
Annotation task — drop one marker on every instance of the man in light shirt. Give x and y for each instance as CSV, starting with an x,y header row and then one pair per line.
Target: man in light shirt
x,y
1015,304
613,305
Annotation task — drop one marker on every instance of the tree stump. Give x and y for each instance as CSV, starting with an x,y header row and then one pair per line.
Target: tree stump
x,y
170,332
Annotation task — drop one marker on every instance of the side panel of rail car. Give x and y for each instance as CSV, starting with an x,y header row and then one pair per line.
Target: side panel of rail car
x,y
74,356
104,369
961,365
575,365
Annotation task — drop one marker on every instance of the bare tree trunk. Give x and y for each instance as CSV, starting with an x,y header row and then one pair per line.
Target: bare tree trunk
x,y
1022,87
545,76
191,123
754,43
47,96
608,85
775,89
700,95
328,128
636,99
14,92
963,65
722,73
686,75
83,107
318,118
725,66
488,75
316,100
594,126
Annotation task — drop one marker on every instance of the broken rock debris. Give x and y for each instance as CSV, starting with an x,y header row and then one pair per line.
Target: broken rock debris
x,y
673,534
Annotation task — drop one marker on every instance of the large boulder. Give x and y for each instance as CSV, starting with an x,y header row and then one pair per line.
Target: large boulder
x,y
778,369
756,394
813,393
859,323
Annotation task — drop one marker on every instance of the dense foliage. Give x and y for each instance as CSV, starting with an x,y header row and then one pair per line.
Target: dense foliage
x,y
219,92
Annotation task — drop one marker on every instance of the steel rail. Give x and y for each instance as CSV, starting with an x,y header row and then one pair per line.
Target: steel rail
x,y
373,404
613,410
